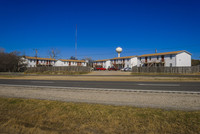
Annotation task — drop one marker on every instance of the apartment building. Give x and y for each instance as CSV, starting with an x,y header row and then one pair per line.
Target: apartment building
x,y
122,62
67,62
166,59
102,63
117,62
37,61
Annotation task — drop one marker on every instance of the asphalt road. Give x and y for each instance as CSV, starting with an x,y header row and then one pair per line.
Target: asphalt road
x,y
161,86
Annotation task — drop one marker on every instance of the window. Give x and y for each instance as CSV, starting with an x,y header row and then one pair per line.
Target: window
x,y
170,64
150,58
140,58
157,57
31,60
170,56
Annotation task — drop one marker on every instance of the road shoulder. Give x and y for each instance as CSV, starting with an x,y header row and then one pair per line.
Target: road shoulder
x,y
171,101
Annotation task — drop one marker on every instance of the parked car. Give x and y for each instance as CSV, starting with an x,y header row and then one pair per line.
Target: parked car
x,y
112,68
127,69
92,69
123,69
101,68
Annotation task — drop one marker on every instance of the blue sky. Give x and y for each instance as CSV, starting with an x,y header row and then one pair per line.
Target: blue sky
x,y
138,26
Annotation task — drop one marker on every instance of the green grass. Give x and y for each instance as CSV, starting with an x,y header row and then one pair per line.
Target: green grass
x,y
53,117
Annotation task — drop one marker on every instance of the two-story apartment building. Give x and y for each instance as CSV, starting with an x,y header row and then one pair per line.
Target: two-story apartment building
x,y
121,62
102,63
167,59
37,61
117,62
67,62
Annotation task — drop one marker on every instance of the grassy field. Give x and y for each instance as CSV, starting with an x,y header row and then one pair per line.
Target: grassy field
x,y
53,117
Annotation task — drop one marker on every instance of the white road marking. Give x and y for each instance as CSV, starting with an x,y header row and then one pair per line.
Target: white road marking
x,y
166,85
106,89
42,82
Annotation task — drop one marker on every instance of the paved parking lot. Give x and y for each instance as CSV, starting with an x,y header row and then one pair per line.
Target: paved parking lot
x,y
109,73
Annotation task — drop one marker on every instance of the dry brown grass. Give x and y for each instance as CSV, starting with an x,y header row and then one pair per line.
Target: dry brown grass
x,y
106,78
57,73
53,117
171,74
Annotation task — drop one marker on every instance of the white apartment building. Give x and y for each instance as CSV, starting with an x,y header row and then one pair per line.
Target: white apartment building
x,y
122,62
117,62
66,62
102,63
37,61
166,59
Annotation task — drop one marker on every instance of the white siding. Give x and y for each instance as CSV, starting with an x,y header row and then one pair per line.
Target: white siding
x,y
169,60
183,59
108,64
175,60
133,62
59,63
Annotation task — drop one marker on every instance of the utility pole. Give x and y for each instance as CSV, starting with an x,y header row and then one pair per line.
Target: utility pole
x,y
76,43
36,52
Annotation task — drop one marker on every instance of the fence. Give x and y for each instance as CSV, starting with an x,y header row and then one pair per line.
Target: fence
x,y
56,69
180,70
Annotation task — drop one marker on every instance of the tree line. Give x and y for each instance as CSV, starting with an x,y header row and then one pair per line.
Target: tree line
x,y
11,62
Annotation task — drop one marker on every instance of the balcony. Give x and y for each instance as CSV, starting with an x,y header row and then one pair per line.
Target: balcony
x,y
153,61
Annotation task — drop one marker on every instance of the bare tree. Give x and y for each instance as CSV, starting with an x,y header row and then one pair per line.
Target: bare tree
x,y
2,50
10,62
89,61
73,58
54,53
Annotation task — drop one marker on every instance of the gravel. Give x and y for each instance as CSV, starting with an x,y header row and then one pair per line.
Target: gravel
x,y
169,101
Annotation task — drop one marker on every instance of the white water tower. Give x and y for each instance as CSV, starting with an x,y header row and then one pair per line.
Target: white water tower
x,y
118,50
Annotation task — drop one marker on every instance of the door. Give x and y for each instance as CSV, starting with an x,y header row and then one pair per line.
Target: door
x,y
162,58
145,59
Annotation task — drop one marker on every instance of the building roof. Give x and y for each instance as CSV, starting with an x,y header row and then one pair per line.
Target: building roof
x,y
127,57
72,60
101,60
38,58
164,53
